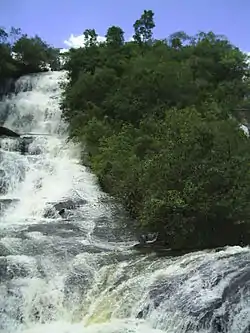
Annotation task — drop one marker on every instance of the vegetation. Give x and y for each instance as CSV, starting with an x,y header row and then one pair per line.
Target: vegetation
x,y
20,54
160,119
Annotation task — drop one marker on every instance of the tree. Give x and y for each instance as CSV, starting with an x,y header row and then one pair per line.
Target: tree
x,y
20,54
90,37
144,26
14,35
34,53
115,36
201,183
7,63
3,36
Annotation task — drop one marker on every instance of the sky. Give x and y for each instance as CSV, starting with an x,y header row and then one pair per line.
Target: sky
x,y
62,22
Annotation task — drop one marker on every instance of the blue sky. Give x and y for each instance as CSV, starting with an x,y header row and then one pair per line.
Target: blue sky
x,y
57,20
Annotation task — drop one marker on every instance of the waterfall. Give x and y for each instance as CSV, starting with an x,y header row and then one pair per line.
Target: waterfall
x,y
68,265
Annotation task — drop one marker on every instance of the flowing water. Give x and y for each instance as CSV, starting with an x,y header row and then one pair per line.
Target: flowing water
x,y
76,272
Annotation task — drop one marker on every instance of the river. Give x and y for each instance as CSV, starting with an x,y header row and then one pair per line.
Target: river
x,y
77,272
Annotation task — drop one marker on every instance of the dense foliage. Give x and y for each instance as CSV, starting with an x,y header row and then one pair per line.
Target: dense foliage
x,y
20,54
160,120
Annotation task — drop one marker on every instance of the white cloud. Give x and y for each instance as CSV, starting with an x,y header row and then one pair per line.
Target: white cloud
x,y
75,41
78,41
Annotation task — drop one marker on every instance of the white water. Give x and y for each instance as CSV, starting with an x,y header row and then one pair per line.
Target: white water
x,y
79,274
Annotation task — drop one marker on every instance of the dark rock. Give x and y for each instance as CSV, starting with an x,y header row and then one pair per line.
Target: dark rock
x,y
143,313
150,243
4,203
69,204
4,131
62,207
24,144
61,212
7,86
50,213
149,238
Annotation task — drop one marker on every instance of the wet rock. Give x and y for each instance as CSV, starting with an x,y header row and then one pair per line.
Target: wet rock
x,y
25,141
11,269
5,203
42,312
7,86
107,229
10,145
149,238
61,208
60,228
232,295
4,251
4,131
3,182
22,145
3,269
69,204
151,244
26,146
228,295
78,281
34,150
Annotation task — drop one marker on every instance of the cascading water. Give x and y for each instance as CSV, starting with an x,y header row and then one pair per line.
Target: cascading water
x,y
66,267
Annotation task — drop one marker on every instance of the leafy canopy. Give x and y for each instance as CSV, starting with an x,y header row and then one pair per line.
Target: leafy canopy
x,y
160,122
21,54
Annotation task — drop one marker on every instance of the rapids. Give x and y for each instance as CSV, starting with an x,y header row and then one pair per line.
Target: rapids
x,y
78,273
